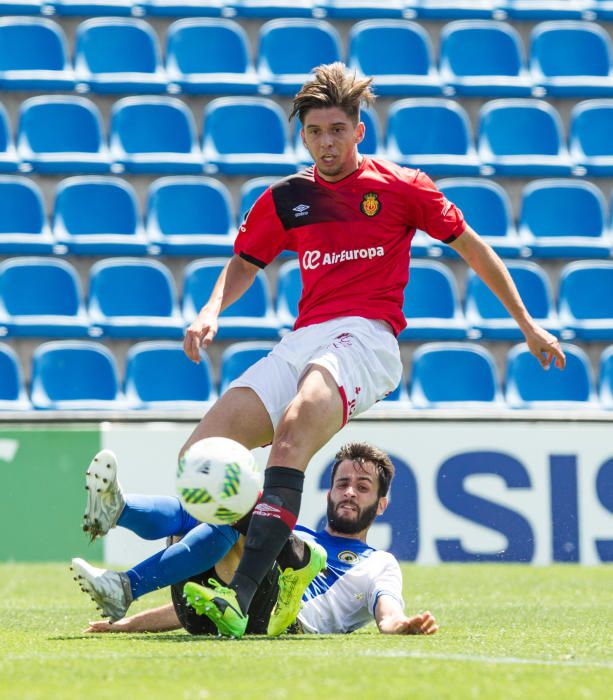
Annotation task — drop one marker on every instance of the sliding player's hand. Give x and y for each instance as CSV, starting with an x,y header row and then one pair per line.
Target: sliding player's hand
x,y
418,624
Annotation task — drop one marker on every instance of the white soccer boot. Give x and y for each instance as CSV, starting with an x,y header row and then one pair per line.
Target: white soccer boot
x,y
110,590
105,500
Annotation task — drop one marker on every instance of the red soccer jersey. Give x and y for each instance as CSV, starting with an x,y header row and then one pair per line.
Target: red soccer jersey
x,y
352,237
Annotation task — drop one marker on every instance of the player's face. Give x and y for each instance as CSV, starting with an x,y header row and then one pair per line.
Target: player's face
x,y
353,500
332,139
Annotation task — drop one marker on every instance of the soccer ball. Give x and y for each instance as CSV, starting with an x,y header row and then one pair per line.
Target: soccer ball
x,y
218,480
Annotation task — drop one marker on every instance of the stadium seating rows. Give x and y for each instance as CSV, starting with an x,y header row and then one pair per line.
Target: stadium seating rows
x,y
334,9
213,56
248,136
83,374
194,215
136,298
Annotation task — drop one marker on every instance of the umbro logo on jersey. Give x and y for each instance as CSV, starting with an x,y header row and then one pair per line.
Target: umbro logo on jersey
x,y
446,208
301,210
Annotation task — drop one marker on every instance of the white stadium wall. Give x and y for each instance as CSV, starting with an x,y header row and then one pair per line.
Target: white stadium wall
x,y
536,492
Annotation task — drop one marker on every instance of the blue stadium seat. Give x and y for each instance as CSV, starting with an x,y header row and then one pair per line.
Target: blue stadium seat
x,y
488,318
190,215
564,219
251,316
603,9
33,55
23,225
75,375
8,154
246,136
527,385
271,8
154,135
432,134
132,298
455,9
453,375
371,145
13,395
80,8
61,135
41,297
431,304
160,376
250,191
591,145
586,300
183,8
98,216
522,137
289,290
405,67
545,9
238,357
605,384
361,9
21,7
209,56
118,54
487,209
571,59
485,58
290,48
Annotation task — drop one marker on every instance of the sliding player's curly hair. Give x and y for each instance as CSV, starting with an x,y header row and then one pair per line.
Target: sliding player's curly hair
x,y
333,86
361,452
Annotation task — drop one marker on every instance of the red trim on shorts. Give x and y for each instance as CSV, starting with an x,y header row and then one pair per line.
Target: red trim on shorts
x,y
268,510
341,391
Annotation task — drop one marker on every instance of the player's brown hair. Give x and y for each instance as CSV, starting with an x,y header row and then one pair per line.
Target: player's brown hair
x,y
333,86
363,452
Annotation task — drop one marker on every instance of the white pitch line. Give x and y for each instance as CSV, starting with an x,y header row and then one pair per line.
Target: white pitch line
x,y
476,658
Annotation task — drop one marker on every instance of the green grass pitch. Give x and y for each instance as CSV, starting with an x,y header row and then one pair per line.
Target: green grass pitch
x,y
506,632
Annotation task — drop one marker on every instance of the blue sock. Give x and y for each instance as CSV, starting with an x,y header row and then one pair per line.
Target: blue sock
x,y
153,517
200,549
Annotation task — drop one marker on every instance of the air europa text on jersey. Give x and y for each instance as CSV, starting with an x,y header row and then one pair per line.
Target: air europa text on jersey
x,y
312,259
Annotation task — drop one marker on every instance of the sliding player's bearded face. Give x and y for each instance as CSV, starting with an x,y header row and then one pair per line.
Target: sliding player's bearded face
x,y
353,499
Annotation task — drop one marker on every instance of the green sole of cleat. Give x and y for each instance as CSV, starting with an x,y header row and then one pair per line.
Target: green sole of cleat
x,y
202,600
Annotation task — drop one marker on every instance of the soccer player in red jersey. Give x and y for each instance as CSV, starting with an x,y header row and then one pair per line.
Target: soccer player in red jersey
x,y
350,218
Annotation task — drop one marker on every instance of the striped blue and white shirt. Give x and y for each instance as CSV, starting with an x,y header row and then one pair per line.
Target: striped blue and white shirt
x,y
343,597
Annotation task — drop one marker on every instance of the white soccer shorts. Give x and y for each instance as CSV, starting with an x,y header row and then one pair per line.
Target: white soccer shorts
x,y
362,356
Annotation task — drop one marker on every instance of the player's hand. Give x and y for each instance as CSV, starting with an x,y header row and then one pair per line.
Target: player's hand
x,y
102,626
418,624
545,347
199,335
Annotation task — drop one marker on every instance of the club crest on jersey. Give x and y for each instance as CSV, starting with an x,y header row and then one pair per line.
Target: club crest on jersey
x,y
370,204
348,557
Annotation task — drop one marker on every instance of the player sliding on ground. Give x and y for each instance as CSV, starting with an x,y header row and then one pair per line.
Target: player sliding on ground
x,y
359,584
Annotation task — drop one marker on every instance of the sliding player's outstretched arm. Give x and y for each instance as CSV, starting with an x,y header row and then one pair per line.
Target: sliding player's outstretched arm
x,y
391,619
234,280
162,619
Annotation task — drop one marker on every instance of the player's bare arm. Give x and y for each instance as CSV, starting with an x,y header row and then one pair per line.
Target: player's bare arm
x,y
391,619
234,280
490,268
162,619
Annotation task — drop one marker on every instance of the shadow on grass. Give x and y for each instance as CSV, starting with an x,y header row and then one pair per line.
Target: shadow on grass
x,y
182,638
